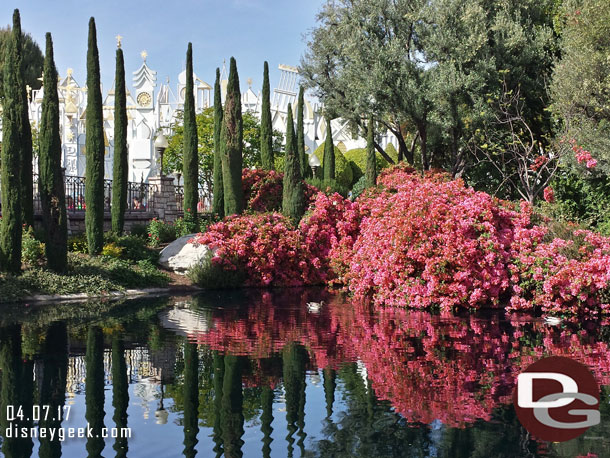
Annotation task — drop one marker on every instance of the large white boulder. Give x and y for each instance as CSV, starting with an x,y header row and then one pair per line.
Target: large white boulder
x,y
180,255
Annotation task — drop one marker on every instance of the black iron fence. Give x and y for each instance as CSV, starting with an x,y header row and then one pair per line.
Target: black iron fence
x,y
139,195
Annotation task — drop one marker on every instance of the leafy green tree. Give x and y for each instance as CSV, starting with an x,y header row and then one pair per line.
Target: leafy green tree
x,y
218,206
12,112
172,159
371,162
232,145
581,97
33,59
293,198
95,148
189,157
429,71
51,187
266,128
120,167
303,157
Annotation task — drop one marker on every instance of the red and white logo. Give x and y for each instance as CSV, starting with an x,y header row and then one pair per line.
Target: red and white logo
x,y
557,399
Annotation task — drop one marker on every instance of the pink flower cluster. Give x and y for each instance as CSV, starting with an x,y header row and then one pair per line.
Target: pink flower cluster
x,y
419,242
427,242
549,194
582,155
266,247
263,190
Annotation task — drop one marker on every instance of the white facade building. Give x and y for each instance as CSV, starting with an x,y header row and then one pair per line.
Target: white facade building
x,y
152,108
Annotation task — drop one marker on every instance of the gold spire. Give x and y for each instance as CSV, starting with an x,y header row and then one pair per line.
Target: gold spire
x,y
144,55
249,80
118,40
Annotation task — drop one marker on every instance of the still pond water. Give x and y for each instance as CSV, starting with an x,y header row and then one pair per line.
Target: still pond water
x,y
262,374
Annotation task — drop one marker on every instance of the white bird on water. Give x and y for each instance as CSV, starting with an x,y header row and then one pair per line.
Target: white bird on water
x,y
314,307
552,320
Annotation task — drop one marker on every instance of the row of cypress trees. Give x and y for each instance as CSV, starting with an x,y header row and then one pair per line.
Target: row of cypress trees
x,y
16,168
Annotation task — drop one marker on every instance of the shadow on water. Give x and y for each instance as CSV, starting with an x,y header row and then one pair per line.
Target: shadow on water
x,y
292,372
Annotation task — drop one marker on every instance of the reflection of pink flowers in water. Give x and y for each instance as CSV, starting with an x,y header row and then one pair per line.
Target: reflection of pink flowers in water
x,y
429,367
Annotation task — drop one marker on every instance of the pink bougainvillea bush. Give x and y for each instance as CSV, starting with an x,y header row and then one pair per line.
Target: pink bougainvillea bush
x,y
426,242
265,247
417,242
263,190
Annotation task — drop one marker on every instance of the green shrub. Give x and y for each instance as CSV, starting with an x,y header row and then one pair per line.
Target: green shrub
x,y
359,188
343,170
210,275
78,243
160,232
358,157
328,186
112,250
139,230
32,251
133,248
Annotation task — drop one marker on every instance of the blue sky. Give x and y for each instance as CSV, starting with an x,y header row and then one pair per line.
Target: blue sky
x,y
250,30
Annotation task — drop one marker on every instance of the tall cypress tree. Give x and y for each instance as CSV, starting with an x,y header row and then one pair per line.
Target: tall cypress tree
x,y
190,164
219,371
219,195
293,197
95,147
12,115
304,160
51,188
328,164
266,127
120,165
371,163
232,145
27,188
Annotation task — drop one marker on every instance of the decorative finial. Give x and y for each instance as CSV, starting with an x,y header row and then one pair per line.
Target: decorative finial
x,y
28,89
118,40
41,77
167,80
69,72
249,80
144,55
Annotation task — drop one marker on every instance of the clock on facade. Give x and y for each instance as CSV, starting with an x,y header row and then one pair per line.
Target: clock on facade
x,y
144,99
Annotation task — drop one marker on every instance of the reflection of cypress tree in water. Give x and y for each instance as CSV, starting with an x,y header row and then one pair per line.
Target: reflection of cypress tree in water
x,y
13,391
294,358
53,389
330,385
219,370
94,390
27,393
191,399
120,394
232,417
267,419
